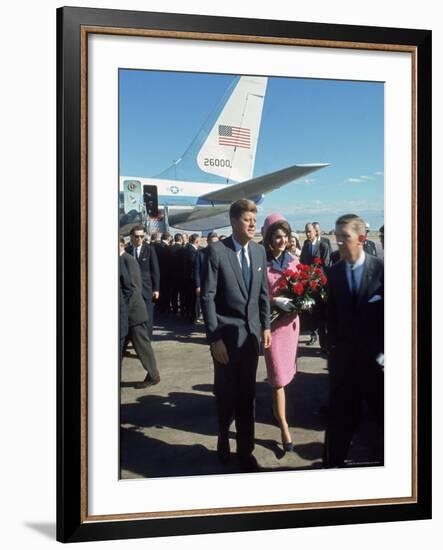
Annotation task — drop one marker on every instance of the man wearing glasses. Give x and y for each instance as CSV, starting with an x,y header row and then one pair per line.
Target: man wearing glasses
x,y
149,269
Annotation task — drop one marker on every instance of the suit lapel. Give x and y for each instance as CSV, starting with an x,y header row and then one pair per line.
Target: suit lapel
x,y
253,265
235,265
344,289
365,280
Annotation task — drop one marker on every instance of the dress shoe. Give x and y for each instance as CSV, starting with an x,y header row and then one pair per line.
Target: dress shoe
x,y
148,381
313,339
248,463
223,450
288,447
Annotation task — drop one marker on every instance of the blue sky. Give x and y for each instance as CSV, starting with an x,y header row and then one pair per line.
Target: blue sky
x,y
303,121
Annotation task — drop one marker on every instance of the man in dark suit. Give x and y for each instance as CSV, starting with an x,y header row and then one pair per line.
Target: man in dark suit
x,y
149,269
192,309
137,321
176,272
369,246
355,341
236,310
126,291
163,251
314,248
321,239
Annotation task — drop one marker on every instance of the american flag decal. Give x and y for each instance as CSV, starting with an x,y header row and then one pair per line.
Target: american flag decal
x,y
234,136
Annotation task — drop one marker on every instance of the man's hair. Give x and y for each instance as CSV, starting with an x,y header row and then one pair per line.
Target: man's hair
x,y
240,206
122,240
307,225
270,231
316,223
178,237
382,229
165,236
194,237
137,228
357,224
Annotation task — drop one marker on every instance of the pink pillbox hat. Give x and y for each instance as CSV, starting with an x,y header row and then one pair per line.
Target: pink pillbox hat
x,y
271,219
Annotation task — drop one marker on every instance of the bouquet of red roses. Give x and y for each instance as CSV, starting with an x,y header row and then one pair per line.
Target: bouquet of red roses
x,y
302,287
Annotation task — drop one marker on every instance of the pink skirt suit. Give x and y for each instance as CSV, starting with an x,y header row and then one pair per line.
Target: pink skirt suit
x,y
281,357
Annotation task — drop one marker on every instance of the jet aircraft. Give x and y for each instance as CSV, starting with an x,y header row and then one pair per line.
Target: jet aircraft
x,y
196,191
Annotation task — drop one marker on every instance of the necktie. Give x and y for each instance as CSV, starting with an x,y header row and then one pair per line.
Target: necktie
x,y
246,272
136,253
354,290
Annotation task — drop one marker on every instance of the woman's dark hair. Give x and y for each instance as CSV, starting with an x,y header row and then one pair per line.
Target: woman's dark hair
x,y
281,224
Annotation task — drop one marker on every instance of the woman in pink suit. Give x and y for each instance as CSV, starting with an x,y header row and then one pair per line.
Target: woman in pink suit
x,y
281,356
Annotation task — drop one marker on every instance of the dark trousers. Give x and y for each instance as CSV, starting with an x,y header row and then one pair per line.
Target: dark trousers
x,y
354,379
234,388
150,309
143,348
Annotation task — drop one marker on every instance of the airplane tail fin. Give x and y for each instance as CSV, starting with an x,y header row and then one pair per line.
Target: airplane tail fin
x,y
225,148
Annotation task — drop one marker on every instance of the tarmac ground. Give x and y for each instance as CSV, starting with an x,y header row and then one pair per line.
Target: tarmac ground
x,y
171,429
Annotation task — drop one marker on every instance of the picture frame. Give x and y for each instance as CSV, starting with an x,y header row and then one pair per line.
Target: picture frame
x,y
74,26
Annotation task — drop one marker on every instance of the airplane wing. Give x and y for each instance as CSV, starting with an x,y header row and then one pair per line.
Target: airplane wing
x,y
263,184
200,218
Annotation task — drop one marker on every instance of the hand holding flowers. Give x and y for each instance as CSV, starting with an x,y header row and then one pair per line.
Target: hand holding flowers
x,y
302,286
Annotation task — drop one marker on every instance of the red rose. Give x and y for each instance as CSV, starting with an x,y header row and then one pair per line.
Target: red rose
x,y
317,261
317,271
314,285
298,289
282,284
287,273
323,280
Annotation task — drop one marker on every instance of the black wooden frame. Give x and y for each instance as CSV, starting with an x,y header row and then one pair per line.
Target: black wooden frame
x,y
72,525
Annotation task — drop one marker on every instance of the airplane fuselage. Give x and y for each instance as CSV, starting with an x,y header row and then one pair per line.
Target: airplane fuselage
x,y
180,193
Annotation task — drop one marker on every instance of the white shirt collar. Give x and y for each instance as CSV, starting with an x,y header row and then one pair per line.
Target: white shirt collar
x,y
238,246
359,262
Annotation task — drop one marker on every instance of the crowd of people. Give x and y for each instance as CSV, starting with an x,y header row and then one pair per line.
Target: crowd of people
x,y
234,283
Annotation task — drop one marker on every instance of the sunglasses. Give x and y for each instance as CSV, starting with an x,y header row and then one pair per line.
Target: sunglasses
x,y
138,236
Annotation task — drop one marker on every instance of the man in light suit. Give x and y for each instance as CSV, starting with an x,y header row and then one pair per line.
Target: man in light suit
x,y
355,341
235,304
147,260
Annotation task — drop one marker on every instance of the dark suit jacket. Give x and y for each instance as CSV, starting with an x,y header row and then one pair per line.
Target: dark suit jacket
x,y
198,266
230,313
189,259
327,242
334,257
321,251
358,328
137,312
149,269
164,253
126,292
369,247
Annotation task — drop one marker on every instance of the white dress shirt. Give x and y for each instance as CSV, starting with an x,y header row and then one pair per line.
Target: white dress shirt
x,y
238,248
358,271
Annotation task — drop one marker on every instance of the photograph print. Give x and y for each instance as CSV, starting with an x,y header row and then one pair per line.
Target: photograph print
x,y
251,274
